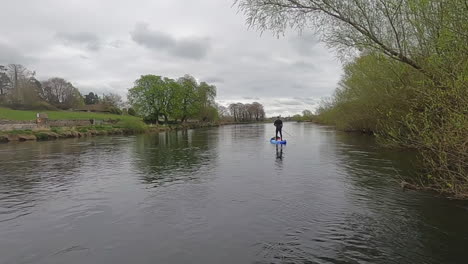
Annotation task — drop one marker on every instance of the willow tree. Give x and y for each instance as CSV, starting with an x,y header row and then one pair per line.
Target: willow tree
x,y
147,97
188,97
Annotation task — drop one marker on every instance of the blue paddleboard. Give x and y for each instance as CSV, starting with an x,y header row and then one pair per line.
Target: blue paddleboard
x,y
272,141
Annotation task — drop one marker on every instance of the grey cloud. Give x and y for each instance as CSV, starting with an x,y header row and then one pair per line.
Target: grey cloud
x,y
310,100
288,102
191,48
304,65
250,98
195,48
305,44
86,39
116,44
152,39
298,86
213,80
9,55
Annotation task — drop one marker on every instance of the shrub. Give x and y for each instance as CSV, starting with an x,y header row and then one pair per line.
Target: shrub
x,y
131,111
41,105
42,136
115,110
135,126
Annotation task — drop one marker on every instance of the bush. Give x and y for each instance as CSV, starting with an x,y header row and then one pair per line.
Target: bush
x,y
208,114
115,110
135,126
131,111
42,136
41,105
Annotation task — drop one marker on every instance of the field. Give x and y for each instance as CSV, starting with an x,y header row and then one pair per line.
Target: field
x,y
9,114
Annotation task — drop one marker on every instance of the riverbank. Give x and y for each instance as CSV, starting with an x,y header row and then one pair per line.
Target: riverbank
x,y
121,128
27,115
422,179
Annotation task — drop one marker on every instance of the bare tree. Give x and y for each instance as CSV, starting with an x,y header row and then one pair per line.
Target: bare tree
x,y
223,111
247,112
21,80
112,99
61,93
259,111
306,113
5,83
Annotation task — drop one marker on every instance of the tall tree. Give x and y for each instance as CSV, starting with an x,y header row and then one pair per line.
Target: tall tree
x,y
306,113
147,96
172,103
188,96
206,97
5,83
91,98
21,83
258,111
206,93
223,111
113,100
61,93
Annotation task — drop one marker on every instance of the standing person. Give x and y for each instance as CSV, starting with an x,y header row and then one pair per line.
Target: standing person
x,y
279,126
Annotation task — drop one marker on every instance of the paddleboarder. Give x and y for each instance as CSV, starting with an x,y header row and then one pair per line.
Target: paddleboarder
x,y
279,126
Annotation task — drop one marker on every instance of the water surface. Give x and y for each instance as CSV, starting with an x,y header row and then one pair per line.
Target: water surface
x,y
221,195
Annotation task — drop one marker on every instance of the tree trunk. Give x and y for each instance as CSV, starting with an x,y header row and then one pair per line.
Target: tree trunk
x,y
157,118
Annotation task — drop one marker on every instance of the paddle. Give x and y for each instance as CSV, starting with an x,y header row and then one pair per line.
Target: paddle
x,y
287,133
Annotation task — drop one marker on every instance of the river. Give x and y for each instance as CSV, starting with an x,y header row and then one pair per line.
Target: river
x,y
221,195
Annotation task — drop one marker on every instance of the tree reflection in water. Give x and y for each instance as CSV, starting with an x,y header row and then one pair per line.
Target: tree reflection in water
x,y
171,157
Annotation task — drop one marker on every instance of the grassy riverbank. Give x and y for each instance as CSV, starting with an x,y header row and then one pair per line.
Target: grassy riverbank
x,y
23,115
123,127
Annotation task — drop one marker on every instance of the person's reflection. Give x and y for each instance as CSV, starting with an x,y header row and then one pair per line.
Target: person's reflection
x,y
279,156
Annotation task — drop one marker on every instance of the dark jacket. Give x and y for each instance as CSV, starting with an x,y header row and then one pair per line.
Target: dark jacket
x,y
278,123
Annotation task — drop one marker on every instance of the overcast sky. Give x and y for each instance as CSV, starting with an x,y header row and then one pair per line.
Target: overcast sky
x,y
105,45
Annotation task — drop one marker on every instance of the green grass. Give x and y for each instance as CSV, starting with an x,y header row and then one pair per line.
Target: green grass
x,y
17,132
9,114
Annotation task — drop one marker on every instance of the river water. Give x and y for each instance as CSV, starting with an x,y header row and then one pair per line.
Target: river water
x,y
221,195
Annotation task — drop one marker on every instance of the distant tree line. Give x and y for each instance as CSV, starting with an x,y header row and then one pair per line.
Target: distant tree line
x,y
155,98
307,115
20,89
247,112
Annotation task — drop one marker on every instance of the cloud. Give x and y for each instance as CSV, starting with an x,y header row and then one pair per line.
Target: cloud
x,y
116,44
86,39
305,44
142,35
191,47
289,101
10,55
304,65
213,79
